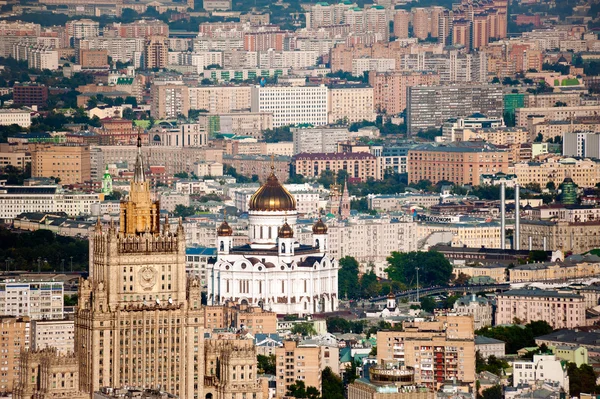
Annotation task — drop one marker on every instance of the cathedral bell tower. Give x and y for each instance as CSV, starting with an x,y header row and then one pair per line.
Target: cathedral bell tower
x,y
139,214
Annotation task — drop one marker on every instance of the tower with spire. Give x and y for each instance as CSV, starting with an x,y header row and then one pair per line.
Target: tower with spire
x,y
345,202
138,296
107,186
139,214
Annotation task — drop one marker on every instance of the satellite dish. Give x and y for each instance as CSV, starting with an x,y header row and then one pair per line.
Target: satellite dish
x,y
157,301
170,300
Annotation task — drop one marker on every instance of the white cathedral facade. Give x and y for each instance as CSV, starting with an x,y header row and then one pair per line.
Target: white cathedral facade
x,y
273,270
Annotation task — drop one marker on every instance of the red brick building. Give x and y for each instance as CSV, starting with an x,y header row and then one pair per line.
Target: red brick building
x,y
30,94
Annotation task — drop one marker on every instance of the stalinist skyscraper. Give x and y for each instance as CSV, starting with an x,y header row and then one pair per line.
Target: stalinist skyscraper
x,y
139,321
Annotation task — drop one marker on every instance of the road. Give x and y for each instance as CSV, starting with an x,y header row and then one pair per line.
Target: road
x,y
425,291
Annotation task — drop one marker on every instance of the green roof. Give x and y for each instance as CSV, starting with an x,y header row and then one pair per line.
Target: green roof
x,y
124,81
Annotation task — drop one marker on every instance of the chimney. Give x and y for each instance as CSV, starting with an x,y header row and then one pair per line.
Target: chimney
x,y
503,215
517,235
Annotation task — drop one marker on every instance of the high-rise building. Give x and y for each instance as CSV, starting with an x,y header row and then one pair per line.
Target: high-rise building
x,y
169,100
461,33
274,270
305,361
37,300
30,94
292,105
430,106
318,139
481,33
15,338
140,321
350,103
440,349
421,24
70,164
401,22
82,29
390,88
156,52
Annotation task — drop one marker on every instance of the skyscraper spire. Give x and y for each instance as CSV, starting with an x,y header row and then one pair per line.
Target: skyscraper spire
x,y
138,175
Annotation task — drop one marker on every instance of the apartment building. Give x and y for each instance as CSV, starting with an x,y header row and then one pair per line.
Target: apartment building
x,y
312,139
220,99
58,334
139,29
430,106
169,100
297,362
15,117
82,28
551,129
542,368
350,103
469,233
15,200
70,164
292,105
93,58
360,166
443,349
584,172
121,49
458,163
552,113
576,237
240,123
553,271
390,88
37,56
401,22
559,309
35,299
15,339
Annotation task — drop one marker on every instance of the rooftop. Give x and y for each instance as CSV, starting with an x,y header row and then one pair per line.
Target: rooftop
x,y
539,293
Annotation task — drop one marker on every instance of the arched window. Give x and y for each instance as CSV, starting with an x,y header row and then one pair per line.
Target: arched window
x,y
283,247
317,243
222,246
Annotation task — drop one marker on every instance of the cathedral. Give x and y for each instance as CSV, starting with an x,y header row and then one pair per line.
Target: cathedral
x,y
139,321
273,270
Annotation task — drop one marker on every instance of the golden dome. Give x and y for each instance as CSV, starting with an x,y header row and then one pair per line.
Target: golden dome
x,y
319,227
286,231
224,229
272,196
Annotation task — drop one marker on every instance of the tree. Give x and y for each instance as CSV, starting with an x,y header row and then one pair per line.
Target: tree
x,y
278,134
300,391
551,186
369,286
494,392
266,364
434,268
348,278
430,134
582,379
428,304
304,329
184,211
182,175
537,256
331,385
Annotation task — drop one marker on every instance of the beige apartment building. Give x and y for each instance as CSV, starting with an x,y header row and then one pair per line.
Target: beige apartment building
x,y
15,338
390,88
350,103
359,165
253,319
70,164
551,129
553,271
458,164
472,235
564,236
169,100
504,136
555,113
548,100
297,362
559,309
220,99
497,272
443,349
584,172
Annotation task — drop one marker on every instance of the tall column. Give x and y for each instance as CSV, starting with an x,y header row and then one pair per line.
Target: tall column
x,y
503,215
517,235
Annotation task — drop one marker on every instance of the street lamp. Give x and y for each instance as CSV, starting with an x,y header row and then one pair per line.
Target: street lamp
x,y
417,269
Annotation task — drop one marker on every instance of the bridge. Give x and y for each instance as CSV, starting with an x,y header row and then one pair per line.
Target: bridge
x,y
426,291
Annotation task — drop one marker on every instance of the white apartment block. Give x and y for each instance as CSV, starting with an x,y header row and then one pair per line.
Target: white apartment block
x,y
39,300
351,103
83,29
292,105
362,65
37,57
119,48
15,200
318,139
543,368
220,99
287,59
369,241
59,334
199,59
15,117
218,43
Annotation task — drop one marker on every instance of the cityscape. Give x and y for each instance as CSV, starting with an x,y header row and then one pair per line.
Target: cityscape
x,y
355,199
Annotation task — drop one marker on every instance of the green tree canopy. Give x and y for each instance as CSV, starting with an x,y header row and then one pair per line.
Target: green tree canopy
x,y
331,385
348,278
266,364
304,329
434,268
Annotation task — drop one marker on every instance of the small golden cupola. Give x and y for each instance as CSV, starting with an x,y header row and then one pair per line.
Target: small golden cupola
x,y
272,196
224,230
319,227
286,231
